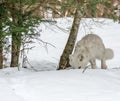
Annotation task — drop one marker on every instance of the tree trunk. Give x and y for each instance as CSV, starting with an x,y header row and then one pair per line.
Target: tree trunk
x,y
64,60
1,54
16,43
16,40
1,46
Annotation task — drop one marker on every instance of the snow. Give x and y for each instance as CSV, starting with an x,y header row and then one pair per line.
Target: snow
x,y
47,84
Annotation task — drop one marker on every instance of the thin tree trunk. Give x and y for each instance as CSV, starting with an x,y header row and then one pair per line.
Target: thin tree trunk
x,y
16,41
1,54
1,46
64,60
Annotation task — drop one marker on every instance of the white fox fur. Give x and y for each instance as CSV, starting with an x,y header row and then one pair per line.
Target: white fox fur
x,y
88,49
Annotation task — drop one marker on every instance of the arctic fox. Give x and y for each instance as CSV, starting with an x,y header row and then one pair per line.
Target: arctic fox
x,y
88,49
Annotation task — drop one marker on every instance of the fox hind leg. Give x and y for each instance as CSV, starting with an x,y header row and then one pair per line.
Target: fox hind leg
x,y
103,64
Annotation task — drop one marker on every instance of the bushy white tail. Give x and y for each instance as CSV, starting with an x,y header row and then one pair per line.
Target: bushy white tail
x,y
109,53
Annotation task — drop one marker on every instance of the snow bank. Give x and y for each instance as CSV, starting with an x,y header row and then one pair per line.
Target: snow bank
x,y
65,85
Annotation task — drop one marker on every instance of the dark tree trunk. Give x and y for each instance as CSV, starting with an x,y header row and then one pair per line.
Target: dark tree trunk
x,y
1,46
16,39
64,60
1,55
16,43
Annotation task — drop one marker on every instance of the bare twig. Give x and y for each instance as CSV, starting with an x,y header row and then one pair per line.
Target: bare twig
x,y
85,68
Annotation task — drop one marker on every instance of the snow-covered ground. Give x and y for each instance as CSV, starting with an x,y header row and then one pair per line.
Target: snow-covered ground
x,y
47,84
